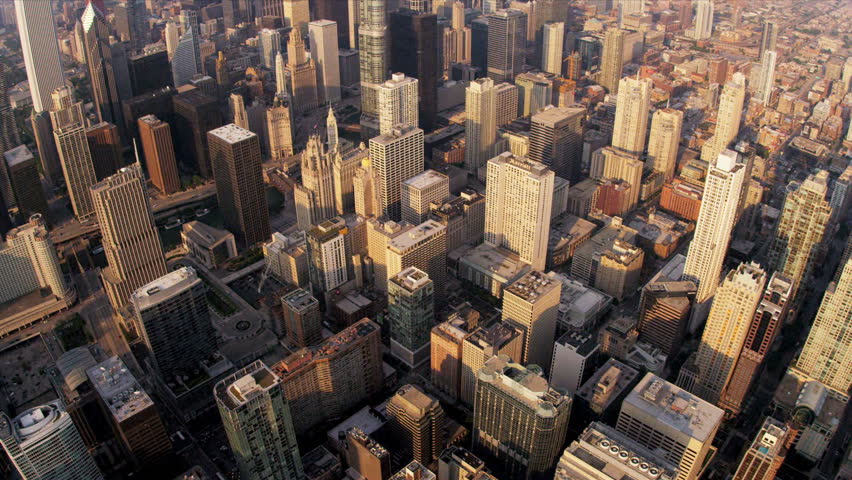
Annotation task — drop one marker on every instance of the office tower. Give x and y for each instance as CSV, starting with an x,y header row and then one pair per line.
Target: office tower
x,y
414,470
727,118
535,91
323,38
507,42
499,338
446,341
457,38
297,15
768,37
827,354
131,411
530,304
345,166
332,135
556,140
280,76
612,60
366,456
553,34
237,109
414,52
411,315
46,145
395,156
518,215
666,126
149,71
130,239
184,65
287,259
160,161
40,51
365,189
105,149
423,246
70,137
258,420
397,100
766,453
9,137
195,115
665,418
171,312
269,42
314,198
506,103
235,157
416,422
303,77
373,38
480,126
767,321
327,255
801,228
479,43
664,314
189,23
727,326
631,115
102,70
279,130
766,81
172,38
43,444
325,381
703,29
421,190
457,463
302,318
519,421
716,218
24,180
597,455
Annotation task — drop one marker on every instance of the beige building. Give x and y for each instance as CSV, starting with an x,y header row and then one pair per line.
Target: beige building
x,y
531,304
69,132
379,235
618,269
631,115
446,342
365,189
424,247
666,127
419,192
728,118
398,103
480,123
395,157
612,60
610,163
287,258
416,421
588,256
303,77
500,338
766,453
314,198
279,130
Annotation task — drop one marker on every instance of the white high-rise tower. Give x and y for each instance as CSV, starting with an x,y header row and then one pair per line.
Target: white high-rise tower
x,y
767,76
631,115
727,118
703,28
480,126
40,51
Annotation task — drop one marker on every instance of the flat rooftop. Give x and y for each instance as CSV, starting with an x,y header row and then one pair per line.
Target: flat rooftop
x,y
232,133
499,262
411,278
415,236
299,300
164,287
496,335
524,384
118,389
18,155
203,234
532,286
425,179
607,383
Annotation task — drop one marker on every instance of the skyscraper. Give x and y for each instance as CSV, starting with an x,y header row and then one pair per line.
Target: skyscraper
x,y
671,421
801,228
9,137
102,71
105,148
703,28
666,126
517,215
297,15
183,59
43,444
156,137
507,42
631,115
553,36
768,37
269,41
303,76
766,82
397,99
323,37
195,115
302,318
235,157
556,140
535,91
373,60
414,52
395,157
612,60
327,255
411,314
366,456
259,424
423,246
69,133
519,421
130,239
40,51
171,312
727,326
419,192
24,180
728,118
480,125
314,197
416,422
664,314
237,108
766,453
499,338
530,304
280,75
709,245
279,129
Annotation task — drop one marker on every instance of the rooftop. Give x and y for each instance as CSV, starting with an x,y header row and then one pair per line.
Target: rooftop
x,y
299,300
412,278
501,263
202,234
495,335
232,133
18,155
367,441
533,286
367,421
414,471
551,115
330,347
413,400
425,179
255,379
524,384
416,236
607,383
164,288
534,168
118,389
36,419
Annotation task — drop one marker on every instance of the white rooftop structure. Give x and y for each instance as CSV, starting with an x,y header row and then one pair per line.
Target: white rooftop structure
x,y
164,287
118,388
232,133
425,179
18,155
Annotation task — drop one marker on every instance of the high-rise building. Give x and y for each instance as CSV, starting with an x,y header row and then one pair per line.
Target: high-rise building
x,y
631,115
703,28
327,255
505,103
766,453
457,463
302,318
517,216
195,115
480,126
419,192
416,422
728,118
671,421
323,38
666,126
766,81
553,36
373,38
24,179
531,305
258,420
40,50
395,156
612,60
768,37
457,38
535,91
344,167
43,444
160,161
171,312
827,354
131,411
303,76
297,15
664,314
279,130
722,191
269,41
414,52
765,325
105,148
397,100
727,326
507,42
411,314
184,65
801,228
46,144
314,197
171,36
446,341
324,382
423,246
366,456
102,71
235,156
519,421
69,133
499,338
556,140
130,239
237,109
9,137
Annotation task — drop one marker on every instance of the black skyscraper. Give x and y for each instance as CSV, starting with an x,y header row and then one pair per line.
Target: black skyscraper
x,y
414,52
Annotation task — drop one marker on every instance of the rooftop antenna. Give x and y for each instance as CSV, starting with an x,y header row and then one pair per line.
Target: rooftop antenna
x,y
136,152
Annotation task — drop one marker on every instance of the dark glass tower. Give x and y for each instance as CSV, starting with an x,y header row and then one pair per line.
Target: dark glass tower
x,y
414,52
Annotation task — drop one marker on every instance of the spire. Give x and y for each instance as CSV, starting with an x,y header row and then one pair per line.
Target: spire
x,y
331,127
280,78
